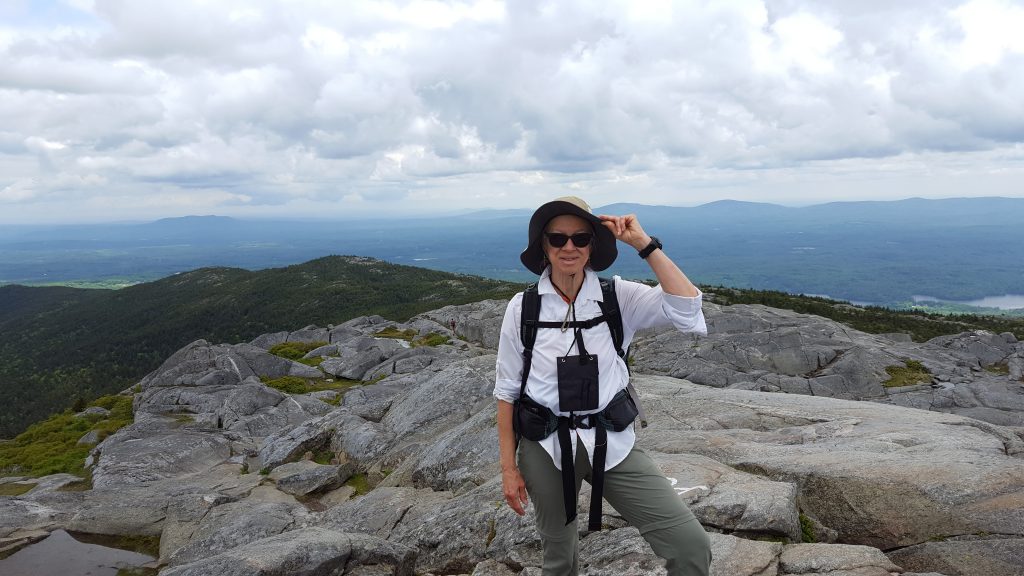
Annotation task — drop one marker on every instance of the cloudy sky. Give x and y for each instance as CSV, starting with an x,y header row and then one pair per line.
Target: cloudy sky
x,y
139,109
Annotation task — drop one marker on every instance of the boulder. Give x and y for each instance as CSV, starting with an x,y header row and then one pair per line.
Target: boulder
x,y
964,556
268,341
138,454
235,524
853,463
303,552
479,322
52,483
733,500
359,355
310,334
93,411
754,347
302,478
835,559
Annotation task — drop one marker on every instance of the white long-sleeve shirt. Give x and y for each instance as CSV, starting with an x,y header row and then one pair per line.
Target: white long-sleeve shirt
x,y
641,306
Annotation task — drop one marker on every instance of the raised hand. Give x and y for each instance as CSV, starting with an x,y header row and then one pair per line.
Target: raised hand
x,y
626,229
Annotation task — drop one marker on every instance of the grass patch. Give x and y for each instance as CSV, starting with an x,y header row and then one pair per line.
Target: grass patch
x,y
359,483
51,446
335,401
314,362
912,372
1002,369
295,350
76,486
807,534
15,489
298,385
323,456
409,335
431,339
394,332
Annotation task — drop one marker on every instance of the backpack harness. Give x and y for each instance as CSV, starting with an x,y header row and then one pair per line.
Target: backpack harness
x,y
536,422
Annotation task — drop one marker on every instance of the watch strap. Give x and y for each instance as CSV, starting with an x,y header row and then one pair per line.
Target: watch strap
x,y
654,245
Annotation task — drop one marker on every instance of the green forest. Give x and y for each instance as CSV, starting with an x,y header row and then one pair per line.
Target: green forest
x,y
60,346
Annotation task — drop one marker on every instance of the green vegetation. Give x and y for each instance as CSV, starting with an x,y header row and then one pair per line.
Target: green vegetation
x,y
58,343
15,488
394,332
409,335
323,456
913,372
807,534
295,350
920,325
360,483
299,385
1002,369
51,446
431,339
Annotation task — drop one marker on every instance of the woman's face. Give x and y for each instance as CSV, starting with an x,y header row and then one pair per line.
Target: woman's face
x,y
569,259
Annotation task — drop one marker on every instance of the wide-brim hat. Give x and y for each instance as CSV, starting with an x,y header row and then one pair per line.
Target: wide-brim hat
x,y
603,251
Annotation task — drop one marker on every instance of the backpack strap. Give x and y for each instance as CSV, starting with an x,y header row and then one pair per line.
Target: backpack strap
x,y
613,315
528,317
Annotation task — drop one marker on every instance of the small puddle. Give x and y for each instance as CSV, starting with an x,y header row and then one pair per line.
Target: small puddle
x,y
61,554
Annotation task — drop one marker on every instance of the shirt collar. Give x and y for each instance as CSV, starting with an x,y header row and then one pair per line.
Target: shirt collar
x,y
591,289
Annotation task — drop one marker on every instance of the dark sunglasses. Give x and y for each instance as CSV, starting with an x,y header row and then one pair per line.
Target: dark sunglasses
x,y
579,239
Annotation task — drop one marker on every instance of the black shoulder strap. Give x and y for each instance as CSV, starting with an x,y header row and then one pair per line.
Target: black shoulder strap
x,y
612,315
610,310
528,317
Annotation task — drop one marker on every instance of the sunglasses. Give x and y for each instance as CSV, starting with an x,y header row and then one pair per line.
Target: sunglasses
x,y
579,239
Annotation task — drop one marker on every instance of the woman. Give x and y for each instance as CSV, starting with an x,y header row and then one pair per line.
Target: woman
x,y
571,384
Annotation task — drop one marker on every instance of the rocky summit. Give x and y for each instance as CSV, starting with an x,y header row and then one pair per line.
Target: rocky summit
x,y
803,446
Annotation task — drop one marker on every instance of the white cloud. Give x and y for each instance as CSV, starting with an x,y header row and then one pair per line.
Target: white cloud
x,y
311,107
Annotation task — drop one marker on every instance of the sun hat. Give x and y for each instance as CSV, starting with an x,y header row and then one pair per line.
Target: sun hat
x,y
603,252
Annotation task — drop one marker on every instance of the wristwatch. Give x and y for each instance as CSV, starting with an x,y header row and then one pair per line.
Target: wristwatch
x,y
654,245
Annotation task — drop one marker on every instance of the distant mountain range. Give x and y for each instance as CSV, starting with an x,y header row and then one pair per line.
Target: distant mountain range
x,y
879,252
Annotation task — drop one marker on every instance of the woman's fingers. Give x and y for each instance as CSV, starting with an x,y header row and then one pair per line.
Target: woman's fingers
x,y
613,223
622,227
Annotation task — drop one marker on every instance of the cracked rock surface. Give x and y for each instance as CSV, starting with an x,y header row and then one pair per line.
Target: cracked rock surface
x,y
774,426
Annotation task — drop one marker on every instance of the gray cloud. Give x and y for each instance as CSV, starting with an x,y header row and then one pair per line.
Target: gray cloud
x,y
318,108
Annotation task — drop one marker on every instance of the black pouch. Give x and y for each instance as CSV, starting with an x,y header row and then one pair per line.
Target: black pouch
x,y
619,414
578,383
533,421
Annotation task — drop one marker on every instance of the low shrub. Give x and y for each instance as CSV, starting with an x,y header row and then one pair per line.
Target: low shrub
x,y
912,372
393,332
431,339
51,446
295,350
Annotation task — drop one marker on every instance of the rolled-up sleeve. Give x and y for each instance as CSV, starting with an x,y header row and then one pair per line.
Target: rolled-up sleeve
x,y
647,307
509,366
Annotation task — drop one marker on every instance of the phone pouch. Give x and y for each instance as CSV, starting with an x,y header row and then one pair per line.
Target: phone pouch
x,y
577,383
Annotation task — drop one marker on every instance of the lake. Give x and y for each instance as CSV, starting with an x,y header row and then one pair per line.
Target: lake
x,y
1004,302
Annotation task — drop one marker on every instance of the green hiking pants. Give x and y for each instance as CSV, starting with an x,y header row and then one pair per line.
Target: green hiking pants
x,y
636,488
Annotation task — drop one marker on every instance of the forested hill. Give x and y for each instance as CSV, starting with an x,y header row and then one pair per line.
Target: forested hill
x,y
58,344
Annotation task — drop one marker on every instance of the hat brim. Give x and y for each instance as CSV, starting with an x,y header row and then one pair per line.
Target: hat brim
x,y
604,250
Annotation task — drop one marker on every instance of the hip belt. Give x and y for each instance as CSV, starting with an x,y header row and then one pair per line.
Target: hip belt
x,y
536,422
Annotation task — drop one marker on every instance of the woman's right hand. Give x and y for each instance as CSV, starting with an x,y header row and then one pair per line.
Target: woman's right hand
x,y
514,487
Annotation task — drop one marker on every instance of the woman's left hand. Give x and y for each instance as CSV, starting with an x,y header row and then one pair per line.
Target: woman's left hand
x,y
627,229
